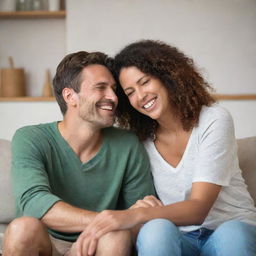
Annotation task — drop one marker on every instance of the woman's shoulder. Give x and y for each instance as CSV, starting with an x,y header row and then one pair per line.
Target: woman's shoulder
x,y
215,119
214,113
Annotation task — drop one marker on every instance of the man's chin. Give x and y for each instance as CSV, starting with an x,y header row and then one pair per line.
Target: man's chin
x,y
107,123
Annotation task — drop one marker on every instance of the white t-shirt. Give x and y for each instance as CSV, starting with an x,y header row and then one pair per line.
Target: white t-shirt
x,y
210,156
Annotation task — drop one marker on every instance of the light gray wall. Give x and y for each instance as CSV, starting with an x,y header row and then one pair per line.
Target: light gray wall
x,y
18,114
219,35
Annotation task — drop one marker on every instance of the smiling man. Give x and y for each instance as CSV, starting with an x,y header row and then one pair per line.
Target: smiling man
x,y
66,172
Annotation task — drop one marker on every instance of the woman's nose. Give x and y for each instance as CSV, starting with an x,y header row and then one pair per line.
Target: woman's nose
x,y
140,94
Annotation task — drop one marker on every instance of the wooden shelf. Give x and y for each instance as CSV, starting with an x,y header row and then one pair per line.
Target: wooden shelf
x,y
220,97
33,15
235,96
26,99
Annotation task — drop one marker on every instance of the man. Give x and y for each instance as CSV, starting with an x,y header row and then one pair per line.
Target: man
x,y
65,173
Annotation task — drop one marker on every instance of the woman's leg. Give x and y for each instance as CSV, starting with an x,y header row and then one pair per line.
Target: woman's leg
x,y
160,237
234,238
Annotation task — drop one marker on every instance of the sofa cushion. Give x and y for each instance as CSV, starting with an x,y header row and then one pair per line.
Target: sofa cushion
x,y
247,162
6,198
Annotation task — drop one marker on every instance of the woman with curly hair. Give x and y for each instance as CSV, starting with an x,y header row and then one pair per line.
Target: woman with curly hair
x,y
203,206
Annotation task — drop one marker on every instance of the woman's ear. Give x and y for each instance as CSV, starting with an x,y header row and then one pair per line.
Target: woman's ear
x,y
70,96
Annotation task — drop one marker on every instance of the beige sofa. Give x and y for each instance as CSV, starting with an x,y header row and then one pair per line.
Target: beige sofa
x,y
247,161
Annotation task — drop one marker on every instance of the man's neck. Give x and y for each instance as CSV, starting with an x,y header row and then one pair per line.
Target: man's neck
x,y
83,139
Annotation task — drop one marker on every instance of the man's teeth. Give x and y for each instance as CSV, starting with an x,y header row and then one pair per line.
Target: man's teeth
x,y
107,107
149,104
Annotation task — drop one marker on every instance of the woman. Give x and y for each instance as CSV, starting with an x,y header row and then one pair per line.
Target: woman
x,y
190,140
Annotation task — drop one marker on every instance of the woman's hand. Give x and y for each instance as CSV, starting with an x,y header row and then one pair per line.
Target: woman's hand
x,y
146,202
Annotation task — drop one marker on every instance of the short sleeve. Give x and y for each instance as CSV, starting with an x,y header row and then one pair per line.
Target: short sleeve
x,y
217,150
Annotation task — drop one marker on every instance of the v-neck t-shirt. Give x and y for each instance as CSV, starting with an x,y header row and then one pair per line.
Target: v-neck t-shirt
x,y
45,170
210,156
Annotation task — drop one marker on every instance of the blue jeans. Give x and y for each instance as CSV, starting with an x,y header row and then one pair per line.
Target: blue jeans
x,y
160,237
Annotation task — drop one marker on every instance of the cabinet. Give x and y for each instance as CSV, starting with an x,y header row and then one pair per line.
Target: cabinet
x,y
39,43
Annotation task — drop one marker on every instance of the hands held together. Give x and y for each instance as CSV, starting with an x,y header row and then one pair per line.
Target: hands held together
x,y
108,221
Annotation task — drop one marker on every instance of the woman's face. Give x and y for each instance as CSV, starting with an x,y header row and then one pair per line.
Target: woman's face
x,y
145,93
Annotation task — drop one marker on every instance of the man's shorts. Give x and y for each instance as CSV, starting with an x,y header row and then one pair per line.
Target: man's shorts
x,y
60,247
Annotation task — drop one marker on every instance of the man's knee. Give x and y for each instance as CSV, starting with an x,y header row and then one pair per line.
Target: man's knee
x,y
25,226
24,233
118,242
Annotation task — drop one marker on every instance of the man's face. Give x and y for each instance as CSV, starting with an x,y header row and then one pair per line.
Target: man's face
x,y
97,98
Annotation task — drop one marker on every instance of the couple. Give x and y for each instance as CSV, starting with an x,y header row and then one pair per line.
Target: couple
x,y
83,187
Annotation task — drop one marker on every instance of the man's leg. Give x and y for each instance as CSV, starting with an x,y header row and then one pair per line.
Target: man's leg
x,y
26,236
116,243
231,238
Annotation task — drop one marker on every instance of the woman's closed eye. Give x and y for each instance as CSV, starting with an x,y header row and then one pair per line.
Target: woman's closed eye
x,y
129,93
145,82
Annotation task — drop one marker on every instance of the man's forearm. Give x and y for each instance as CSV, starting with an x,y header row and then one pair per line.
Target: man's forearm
x,y
66,218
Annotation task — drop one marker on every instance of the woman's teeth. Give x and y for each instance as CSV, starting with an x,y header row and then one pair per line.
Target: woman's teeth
x,y
149,104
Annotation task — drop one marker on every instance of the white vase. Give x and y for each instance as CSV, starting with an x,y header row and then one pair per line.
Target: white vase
x,y
7,5
54,5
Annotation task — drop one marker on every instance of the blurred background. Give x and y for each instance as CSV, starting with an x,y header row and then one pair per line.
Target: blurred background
x,y
219,35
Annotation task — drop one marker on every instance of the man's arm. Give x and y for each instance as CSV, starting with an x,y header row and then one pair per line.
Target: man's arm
x,y
66,218
31,186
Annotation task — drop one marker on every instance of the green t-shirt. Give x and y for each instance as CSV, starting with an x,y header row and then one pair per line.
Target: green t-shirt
x,y
45,170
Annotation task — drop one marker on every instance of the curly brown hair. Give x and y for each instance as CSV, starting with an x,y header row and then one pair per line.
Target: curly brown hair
x,y
187,89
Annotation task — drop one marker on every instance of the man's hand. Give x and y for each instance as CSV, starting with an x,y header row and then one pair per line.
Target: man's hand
x,y
104,222
108,221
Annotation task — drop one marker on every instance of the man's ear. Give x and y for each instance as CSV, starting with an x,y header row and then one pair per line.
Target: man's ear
x,y
70,96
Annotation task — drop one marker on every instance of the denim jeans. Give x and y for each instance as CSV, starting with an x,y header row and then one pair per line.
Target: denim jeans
x,y
160,237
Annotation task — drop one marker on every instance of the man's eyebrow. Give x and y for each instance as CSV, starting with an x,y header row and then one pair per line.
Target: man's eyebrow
x,y
104,83
101,83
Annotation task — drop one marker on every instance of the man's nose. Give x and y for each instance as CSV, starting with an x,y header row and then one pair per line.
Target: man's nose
x,y
111,95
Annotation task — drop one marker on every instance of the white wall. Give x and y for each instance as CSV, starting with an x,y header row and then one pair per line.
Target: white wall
x,y
220,35
243,113
17,114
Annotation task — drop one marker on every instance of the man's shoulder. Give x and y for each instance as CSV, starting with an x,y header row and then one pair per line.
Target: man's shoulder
x,y
33,131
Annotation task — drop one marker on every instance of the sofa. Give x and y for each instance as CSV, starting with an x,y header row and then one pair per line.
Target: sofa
x,y
247,162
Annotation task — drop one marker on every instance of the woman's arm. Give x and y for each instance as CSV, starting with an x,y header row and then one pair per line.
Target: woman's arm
x,y
189,212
